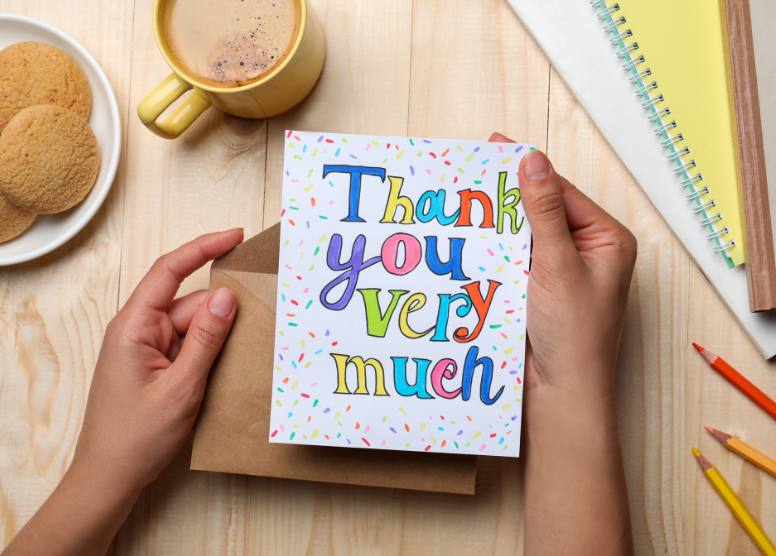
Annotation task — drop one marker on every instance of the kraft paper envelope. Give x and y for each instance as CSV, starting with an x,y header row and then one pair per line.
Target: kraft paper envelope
x,y
232,432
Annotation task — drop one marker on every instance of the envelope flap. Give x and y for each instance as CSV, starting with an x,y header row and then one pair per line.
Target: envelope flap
x,y
259,254
263,286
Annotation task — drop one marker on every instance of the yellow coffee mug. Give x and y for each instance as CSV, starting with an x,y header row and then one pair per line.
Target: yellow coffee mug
x,y
283,88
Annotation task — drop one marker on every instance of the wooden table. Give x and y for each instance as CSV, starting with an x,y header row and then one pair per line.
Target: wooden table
x,y
448,69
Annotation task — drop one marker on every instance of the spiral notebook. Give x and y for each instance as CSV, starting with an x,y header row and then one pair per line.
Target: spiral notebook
x,y
681,72
683,45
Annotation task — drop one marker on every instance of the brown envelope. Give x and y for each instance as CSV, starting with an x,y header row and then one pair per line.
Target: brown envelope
x,y
232,432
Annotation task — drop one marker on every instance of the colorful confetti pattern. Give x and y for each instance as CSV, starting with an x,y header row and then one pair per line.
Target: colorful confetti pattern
x,y
406,309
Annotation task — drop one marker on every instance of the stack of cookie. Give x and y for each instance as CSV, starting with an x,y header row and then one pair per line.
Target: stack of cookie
x,y
48,152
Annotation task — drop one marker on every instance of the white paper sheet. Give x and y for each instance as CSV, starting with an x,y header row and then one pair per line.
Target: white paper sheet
x,y
407,313
572,37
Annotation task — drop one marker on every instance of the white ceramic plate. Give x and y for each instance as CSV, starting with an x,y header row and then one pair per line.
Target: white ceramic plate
x,y
50,231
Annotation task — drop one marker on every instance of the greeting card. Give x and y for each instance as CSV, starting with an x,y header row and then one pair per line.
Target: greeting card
x,y
401,295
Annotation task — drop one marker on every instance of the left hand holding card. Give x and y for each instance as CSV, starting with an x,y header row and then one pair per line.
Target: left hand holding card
x,y
153,366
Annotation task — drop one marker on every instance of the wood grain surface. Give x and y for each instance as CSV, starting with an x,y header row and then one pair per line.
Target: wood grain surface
x,y
448,69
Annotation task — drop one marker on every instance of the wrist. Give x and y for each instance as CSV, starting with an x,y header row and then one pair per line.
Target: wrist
x,y
567,406
80,517
575,480
585,384
97,482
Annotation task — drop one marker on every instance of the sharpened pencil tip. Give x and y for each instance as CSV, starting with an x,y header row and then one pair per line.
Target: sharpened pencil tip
x,y
703,462
719,435
706,354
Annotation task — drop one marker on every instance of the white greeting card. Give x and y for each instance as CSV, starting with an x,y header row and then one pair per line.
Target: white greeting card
x,y
401,295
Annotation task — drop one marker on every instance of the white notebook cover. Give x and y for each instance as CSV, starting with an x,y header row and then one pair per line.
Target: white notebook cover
x,y
572,37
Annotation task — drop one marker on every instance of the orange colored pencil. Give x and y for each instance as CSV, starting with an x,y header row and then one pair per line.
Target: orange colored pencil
x,y
744,450
736,379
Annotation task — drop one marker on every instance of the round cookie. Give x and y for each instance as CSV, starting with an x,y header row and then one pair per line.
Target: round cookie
x,y
34,73
48,159
13,220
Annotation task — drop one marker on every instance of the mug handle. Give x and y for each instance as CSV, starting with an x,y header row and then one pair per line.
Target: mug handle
x,y
162,97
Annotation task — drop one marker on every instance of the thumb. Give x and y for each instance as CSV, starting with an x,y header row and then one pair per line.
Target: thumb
x,y
542,197
204,338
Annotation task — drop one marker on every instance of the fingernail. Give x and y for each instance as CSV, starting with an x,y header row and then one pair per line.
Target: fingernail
x,y
221,303
536,166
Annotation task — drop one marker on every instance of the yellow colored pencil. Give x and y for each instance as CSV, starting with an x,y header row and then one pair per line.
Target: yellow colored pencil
x,y
736,506
744,450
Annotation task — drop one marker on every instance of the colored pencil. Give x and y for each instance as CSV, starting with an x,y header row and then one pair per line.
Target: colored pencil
x,y
736,379
736,506
744,450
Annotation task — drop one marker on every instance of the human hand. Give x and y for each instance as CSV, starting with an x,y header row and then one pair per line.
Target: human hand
x,y
153,366
145,395
581,267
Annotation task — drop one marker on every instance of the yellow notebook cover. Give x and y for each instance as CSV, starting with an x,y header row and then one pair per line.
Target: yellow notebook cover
x,y
679,61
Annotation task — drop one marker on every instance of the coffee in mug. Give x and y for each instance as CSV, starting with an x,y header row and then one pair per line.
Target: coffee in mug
x,y
250,58
230,43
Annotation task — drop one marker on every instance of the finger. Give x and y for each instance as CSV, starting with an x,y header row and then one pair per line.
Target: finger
x,y
591,226
158,288
174,349
182,310
581,210
542,197
499,138
207,333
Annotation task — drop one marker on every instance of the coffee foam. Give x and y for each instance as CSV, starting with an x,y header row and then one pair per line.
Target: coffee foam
x,y
230,43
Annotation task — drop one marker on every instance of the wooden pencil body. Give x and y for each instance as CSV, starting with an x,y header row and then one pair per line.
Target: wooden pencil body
x,y
759,249
743,516
754,456
744,385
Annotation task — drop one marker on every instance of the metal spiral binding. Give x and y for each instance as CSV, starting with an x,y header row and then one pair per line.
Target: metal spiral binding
x,y
638,78
652,102
705,207
718,233
631,65
626,50
607,11
615,23
658,115
678,154
640,75
664,128
620,36
702,191
673,141
695,179
648,87
716,218
684,167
